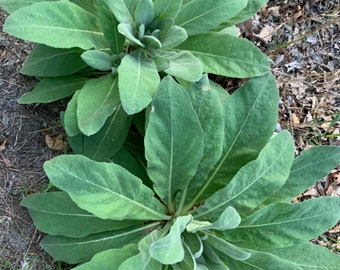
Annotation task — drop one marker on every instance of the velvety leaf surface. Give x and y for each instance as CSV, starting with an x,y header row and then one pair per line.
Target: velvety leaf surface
x,y
144,12
185,66
97,59
172,158
109,25
138,81
310,166
256,181
76,250
285,224
56,214
106,190
45,61
123,9
200,16
36,23
52,89
255,102
70,121
174,36
167,9
97,100
227,55
109,259
11,6
208,107
107,141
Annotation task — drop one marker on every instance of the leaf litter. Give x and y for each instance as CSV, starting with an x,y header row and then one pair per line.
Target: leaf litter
x,y
300,37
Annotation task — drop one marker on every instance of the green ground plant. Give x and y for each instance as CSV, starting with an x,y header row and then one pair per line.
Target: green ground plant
x,y
217,193
111,55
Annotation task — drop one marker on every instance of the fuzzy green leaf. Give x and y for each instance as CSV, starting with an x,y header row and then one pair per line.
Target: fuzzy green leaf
x,y
97,100
188,262
208,107
285,224
70,116
45,61
56,214
228,219
107,141
138,81
310,166
76,250
255,102
11,6
227,55
127,30
97,60
194,243
36,23
172,158
185,66
123,9
52,89
227,248
106,190
174,36
169,249
109,259
166,8
256,181
144,12
201,16
109,25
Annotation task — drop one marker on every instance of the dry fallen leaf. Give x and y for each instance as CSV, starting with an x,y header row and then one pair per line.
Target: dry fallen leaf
x,y
3,145
55,143
7,162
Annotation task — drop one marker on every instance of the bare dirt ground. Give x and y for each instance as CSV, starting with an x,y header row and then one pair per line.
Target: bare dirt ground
x,y
302,38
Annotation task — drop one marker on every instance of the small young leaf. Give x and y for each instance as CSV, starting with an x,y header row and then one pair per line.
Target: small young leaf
x,y
285,224
36,23
226,248
229,219
109,25
169,249
138,81
256,181
173,37
151,42
167,9
200,16
106,190
97,60
52,89
107,141
97,100
227,55
172,158
77,250
56,214
185,66
194,243
144,12
109,259
45,61
129,32
188,262
310,166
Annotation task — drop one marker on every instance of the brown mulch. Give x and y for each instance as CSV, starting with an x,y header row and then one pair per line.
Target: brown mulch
x,y
302,39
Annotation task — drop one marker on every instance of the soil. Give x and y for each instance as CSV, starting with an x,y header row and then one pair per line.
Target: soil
x,y
302,39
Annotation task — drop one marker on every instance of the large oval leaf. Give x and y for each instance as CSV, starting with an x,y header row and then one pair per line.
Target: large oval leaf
x,y
224,54
106,190
172,158
49,23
